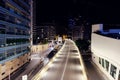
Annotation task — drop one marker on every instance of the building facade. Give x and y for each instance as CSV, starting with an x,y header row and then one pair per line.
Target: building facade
x,y
34,34
81,32
15,29
77,33
105,47
44,32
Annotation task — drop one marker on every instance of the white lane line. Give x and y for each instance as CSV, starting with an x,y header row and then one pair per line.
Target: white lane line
x,y
65,64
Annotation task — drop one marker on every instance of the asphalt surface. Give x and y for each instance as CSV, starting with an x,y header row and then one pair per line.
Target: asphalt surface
x,y
31,68
65,66
93,72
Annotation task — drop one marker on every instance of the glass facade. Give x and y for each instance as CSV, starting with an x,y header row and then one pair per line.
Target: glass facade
x,y
14,28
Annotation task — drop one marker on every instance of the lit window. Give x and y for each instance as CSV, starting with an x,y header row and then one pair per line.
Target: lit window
x,y
113,71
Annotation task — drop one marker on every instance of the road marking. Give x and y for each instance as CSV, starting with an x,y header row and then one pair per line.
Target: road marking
x,y
65,64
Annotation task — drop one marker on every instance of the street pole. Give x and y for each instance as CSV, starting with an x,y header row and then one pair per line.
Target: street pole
x,y
9,74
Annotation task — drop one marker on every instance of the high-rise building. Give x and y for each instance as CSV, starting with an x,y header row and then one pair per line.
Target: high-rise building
x,y
15,29
81,32
77,33
34,34
45,31
105,47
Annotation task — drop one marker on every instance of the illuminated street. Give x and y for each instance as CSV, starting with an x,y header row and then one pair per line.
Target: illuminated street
x,y
94,73
59,40
66,65
31,69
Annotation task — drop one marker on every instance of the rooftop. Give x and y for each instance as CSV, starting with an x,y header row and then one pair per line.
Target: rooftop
x,y
111,35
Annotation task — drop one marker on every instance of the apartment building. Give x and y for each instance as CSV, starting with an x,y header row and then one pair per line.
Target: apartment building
x,y
15,29
44,32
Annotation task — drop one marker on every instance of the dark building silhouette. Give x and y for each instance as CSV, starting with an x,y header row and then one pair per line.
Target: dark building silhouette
x,y
45,32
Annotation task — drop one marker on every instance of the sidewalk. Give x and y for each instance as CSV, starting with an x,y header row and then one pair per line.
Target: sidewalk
x,y
32,67
93,72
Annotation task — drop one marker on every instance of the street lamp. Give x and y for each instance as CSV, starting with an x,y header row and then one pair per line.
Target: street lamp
x,y
37,39
9,73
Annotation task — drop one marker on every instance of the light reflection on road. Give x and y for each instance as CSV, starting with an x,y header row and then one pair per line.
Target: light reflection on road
x,y
65,65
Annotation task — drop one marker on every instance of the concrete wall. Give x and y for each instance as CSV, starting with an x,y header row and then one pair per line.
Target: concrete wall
x,y
11,66
39,48
95,59
106,47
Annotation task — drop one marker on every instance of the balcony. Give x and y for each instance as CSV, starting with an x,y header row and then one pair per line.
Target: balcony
x,y
15,14
27,5
23,5
15,36
5,59
13,25
4,47
20,8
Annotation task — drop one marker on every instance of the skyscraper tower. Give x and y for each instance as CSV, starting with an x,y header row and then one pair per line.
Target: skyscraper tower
x,y
34,32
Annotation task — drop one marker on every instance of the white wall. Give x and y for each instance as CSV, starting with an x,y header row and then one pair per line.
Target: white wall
x,y
106,74
97,27
39,48
106,48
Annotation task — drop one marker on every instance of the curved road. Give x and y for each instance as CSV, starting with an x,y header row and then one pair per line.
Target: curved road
x,y
65,65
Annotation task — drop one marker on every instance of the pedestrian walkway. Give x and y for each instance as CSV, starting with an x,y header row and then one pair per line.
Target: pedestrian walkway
x,y
93,72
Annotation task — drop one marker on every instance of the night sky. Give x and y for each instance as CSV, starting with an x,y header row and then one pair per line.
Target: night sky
x,y
95,11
